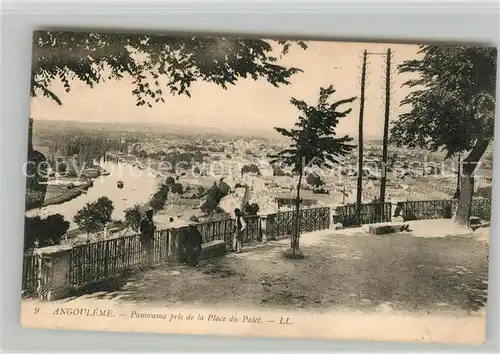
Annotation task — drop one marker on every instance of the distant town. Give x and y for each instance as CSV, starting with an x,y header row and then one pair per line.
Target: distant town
x,y
197,160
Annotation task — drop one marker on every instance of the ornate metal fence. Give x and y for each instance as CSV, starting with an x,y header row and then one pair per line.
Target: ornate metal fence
x,y
252,231
283,223
224,230
425,209
370,214
217,230
440,209
97,261
314,219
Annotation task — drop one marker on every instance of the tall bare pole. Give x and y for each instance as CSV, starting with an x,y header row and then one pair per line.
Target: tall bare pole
x,y
386,126
360,140
457,191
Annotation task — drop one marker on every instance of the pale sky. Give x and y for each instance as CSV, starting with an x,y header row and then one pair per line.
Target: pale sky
x,y
249,104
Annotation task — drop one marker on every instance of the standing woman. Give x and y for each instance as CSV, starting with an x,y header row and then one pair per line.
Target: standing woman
x,y
240,228
147,229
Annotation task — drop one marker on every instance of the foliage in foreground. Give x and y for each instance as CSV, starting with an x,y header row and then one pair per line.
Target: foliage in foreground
x,y
47,232
159,64
452,108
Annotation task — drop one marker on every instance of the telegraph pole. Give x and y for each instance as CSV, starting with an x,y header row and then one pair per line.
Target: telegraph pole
x,y
386,126
360,140
459,171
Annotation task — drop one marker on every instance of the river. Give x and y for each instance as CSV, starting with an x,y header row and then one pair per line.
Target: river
x,y
138,187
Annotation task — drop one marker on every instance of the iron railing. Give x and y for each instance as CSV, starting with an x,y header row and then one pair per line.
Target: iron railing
x,y
224,230
371,213
282,224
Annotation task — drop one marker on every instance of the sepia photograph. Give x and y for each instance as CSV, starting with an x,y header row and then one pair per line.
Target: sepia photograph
x,y
199,184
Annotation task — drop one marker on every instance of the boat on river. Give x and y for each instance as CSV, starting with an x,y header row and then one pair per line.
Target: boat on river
x,y
119,184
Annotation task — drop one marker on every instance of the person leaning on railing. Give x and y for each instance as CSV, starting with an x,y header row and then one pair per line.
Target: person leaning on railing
x,y
147,229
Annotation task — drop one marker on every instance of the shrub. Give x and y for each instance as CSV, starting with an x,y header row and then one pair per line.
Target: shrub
x,y
250,169
177,188
133,217
214,195
93,217
314,180
47,232
170,181
194,218
201,191
251,209
159,199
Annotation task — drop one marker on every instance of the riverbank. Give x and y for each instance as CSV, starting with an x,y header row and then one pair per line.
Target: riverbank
x,y
138,187
58,195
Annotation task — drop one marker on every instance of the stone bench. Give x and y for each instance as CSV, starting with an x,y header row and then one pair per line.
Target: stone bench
x,y
475,222
213,249
390,228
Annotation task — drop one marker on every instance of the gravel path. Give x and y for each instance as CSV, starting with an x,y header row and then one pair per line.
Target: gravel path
x,y
349,270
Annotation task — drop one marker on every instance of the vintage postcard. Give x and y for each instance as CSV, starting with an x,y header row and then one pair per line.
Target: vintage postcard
x,y
247,187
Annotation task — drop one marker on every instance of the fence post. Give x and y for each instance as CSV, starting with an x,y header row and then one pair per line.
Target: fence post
x,y
176,244
54,272
106,259
269,227
454,207
263,227
333,217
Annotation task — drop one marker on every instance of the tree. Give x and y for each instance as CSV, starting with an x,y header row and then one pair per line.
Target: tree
x,y
133,217
484,192
46,232
157,63
94,217
313,143
252,168
36,170
170,181
277,171
194,218
452,108
36,174
159,199
392,161
314,180
201,191
251,209
213,197
177,188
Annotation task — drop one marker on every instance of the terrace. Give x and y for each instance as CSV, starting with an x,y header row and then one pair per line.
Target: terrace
x,y
58,272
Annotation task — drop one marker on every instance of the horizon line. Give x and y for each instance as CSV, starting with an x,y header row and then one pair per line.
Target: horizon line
x,y
234,131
